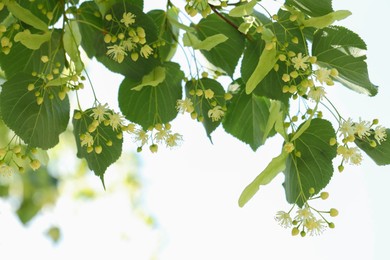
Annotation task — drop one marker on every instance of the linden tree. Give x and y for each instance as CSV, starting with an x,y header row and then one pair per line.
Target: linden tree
x,y
254,72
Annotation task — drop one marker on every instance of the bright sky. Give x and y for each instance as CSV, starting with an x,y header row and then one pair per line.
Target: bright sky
x,y
192,191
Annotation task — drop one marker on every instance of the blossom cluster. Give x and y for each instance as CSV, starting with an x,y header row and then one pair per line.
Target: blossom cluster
x,y
307,220
197,96
16,157
363,130
127,39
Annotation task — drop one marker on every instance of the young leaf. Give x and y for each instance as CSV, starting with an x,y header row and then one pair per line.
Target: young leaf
x,y
381,153
226,54
151,103
277,165
340,48
106,147
247,118
312,168
38,125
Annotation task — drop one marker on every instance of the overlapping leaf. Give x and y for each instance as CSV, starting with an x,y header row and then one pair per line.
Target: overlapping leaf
x,y
340,48
109,139
226,54
38,125
152,104
247,118
313,168
312,7
381,153
202,105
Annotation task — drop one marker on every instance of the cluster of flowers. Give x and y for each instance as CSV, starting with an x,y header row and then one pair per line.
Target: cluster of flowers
x,y
129,38
193,7
158,134
16,157
215,113
305,221
364,131
92,139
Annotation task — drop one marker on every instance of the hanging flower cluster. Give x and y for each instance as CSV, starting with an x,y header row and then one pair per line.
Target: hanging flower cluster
x,y
128,39
16,157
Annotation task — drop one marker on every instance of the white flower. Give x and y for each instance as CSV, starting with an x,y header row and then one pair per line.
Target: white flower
x,y
116,52
300,62
174,139
128,19
185,105
323,75
128,45
283,218
315,226
99,112
347,128
216,113
141,135
316,93
304,214
362,128
115,120
145,51
350,155
380,134
86,139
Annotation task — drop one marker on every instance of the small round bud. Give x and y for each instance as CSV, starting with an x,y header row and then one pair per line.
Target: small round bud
x,y
30,87
89,149
295,40
375,121
312,191
333,212
340,168
17,149
303,233
139,149
98,149
228,96
331,225
39,100
372,143
35,164
109,143
332,141
77,116
324,195
295,231
153,148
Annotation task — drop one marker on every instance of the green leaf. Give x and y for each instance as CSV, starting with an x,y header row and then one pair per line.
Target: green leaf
x,y
313,168
26,16
190,40
152,104
32,41
167,31
340,48
203,105
247,118
243,10
37,125
379,154
22,59
108,138
71,40
106,5
225,55
312,8
277,165
326,20
266,63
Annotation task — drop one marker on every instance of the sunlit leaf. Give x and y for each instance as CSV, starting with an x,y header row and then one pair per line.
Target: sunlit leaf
x,y
312,8
379,154
313,167
243,10
339,48
32,41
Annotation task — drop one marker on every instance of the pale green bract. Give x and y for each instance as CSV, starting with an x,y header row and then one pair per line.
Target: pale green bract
x,y
243,10
32,41
72,40
190,40
154,78
326,20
